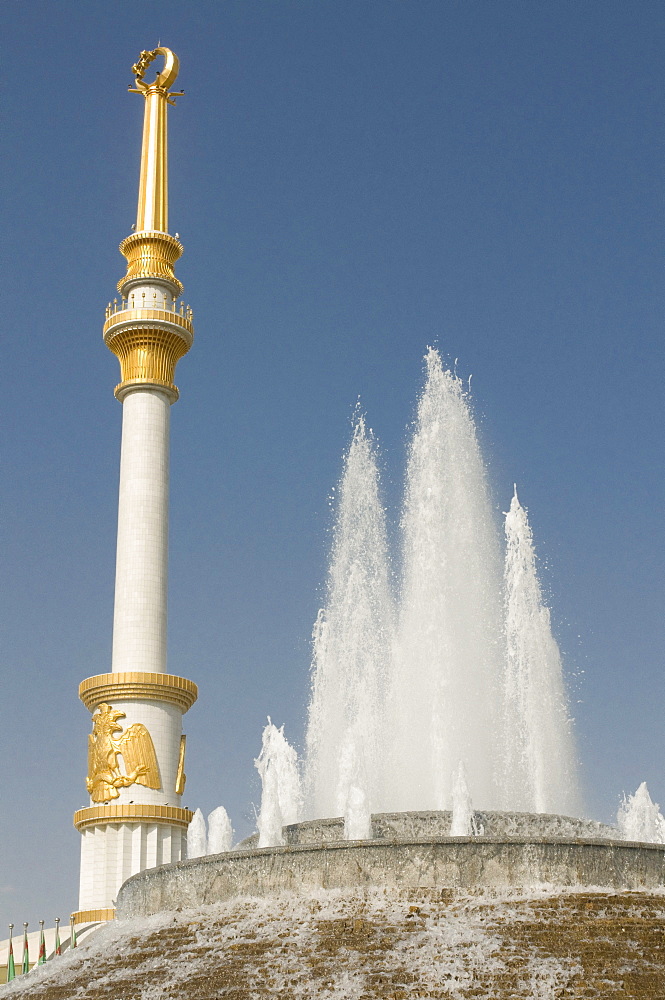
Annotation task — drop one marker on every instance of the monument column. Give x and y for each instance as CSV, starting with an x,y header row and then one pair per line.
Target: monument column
x,y
136,766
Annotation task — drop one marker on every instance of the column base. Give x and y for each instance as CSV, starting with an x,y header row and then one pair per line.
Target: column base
x,y
113,848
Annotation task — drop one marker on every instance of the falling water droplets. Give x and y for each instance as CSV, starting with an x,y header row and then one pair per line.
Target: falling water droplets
x,y
463,667
352,643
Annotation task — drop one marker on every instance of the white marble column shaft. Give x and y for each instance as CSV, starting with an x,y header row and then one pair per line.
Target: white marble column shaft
x,y
139,622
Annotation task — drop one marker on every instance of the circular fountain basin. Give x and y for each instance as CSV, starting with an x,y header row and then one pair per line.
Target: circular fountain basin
x,y
402,859
409,825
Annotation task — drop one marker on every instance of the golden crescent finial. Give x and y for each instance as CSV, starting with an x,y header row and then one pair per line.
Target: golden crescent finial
x,y
166,78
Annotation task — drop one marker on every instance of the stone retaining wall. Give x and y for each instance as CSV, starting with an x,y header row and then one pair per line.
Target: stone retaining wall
x,y
466,863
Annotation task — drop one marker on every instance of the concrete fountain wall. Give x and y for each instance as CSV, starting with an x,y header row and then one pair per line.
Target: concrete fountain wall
x,y
429,823
416,861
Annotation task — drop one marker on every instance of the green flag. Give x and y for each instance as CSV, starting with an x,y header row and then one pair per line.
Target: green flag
x,y
58,947
72,933
26,955
42,944
11,968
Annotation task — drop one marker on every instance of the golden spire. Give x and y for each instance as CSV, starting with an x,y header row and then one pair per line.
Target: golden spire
x,y
150,251
153,208
148,332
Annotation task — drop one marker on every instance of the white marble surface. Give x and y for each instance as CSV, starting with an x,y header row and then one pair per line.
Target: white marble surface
x,y
139,623
110,853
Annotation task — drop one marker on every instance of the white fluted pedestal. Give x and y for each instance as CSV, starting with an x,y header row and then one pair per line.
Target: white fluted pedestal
x,y
140,827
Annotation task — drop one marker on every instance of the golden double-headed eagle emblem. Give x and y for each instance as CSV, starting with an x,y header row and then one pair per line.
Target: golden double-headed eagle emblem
x,y
136,748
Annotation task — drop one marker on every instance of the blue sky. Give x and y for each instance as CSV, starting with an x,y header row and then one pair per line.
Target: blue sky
x,y
352,181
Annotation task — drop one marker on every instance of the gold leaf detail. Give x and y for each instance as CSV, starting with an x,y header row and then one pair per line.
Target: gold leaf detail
x,y
136,747
181,777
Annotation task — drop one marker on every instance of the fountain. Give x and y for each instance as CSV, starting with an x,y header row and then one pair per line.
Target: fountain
x,y
441,853
540,769
439,749
220,831
462,822
445,687
470,670
352,646
277,765
640,819
357,816
196,836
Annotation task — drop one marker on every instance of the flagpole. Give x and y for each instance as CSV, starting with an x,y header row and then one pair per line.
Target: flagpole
x,y
42,944
57,950
72,933
11,968
26,953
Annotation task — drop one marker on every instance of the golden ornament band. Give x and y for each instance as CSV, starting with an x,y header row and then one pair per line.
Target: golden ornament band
x,y
151,255
147,357
178,321
137,685
119,814
93,916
